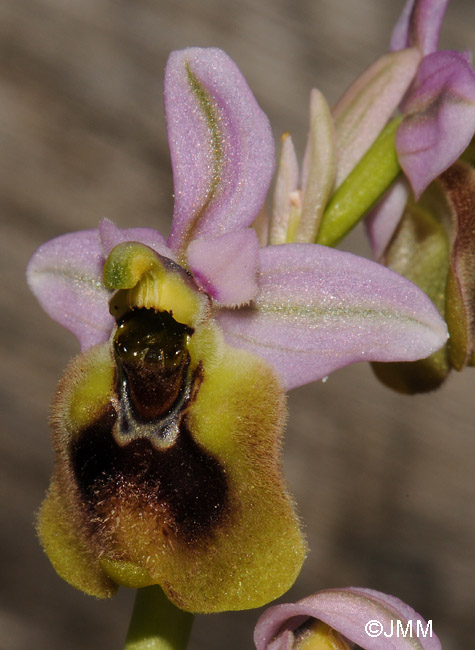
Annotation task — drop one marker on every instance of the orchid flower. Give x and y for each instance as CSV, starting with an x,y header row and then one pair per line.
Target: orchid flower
x,y
355,151
335,619
439,114
349,160
430,239
167,426
439,110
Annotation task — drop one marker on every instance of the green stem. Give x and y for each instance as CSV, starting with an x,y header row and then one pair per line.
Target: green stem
x,y
365,184
157,624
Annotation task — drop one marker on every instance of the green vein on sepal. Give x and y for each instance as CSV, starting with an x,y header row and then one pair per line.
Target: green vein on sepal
x,y
325,313
209,112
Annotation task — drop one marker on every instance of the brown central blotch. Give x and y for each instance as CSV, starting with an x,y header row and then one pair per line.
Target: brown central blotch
x,y
182,483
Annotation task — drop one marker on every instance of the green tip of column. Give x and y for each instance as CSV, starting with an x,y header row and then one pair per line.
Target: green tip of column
x,y
127,263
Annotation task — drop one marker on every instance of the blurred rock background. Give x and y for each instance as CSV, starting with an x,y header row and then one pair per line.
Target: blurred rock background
x,y
384,483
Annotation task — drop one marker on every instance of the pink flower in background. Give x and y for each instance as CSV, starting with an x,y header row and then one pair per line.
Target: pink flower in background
x,y
335,619
438,110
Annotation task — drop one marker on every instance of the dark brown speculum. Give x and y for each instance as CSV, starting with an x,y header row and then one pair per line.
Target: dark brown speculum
x,y
152,360
183,485
141,452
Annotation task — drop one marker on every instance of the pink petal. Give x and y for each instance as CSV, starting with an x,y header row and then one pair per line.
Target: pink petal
x,y
225,266
65,274
318,169
319,309
285,191
368,104
348,611
419,25
382,221
439,118
221,146
110,235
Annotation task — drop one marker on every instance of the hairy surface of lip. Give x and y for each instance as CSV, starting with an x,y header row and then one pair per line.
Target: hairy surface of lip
x,y
185,487
142,454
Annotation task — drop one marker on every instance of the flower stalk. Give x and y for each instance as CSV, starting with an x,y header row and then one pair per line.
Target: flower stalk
x,y
156,623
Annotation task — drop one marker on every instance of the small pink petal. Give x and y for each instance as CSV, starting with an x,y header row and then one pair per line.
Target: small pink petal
x,y
419,25
110,235
319,309
382,221
225,266
221,146
283,641
318,169
349,611
286,185
439,118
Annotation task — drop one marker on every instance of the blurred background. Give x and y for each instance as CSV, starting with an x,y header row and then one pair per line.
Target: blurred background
x,y
384,483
